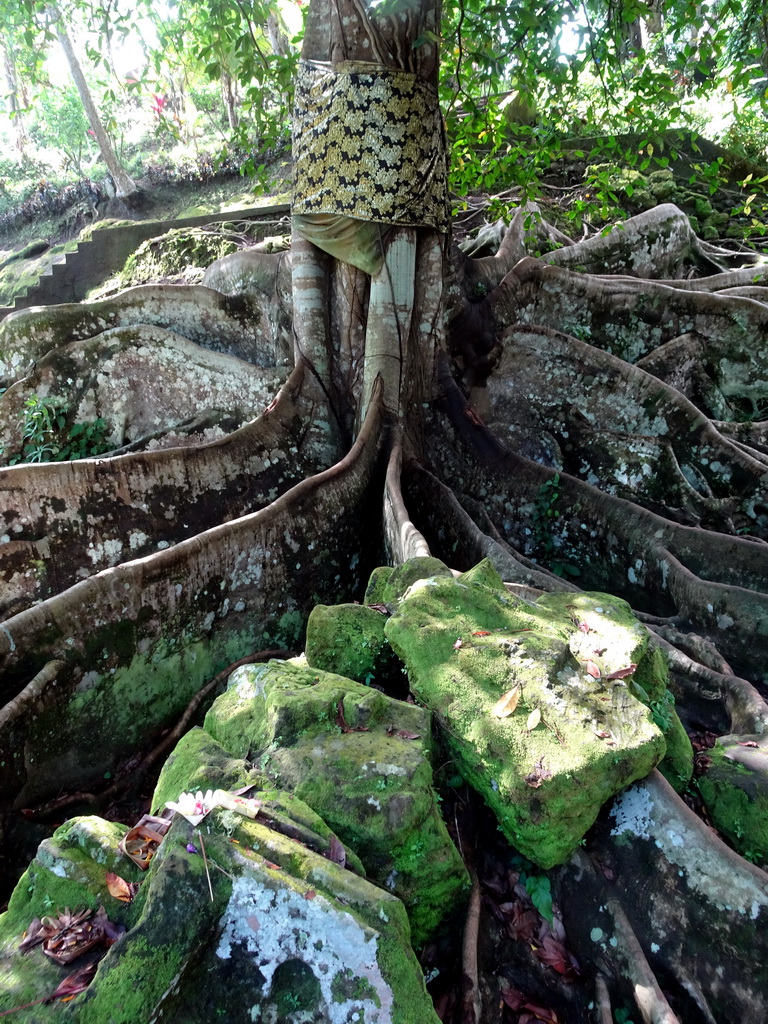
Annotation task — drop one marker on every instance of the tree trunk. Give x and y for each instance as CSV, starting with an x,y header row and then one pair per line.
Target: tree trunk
x,y
229,98
12,96
124,185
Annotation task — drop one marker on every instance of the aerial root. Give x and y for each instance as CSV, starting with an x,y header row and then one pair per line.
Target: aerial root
x,y
34,688
403,539
650,1000
603,1000
471,978
692,680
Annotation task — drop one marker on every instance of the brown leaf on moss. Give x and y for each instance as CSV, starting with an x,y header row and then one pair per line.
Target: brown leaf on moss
x,y
506,705
342,722
622,673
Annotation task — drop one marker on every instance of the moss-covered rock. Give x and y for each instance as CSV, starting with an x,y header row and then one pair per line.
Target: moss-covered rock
x,y
69,871
349,640
361,761
407,573
735,792
175,253
258,929
467,643
198,762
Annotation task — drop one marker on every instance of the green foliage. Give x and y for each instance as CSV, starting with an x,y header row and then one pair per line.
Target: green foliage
x,y
59,122
539,889
662,710
517,79
45,437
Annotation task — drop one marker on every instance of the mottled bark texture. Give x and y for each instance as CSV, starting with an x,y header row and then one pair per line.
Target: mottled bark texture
x,y
615,441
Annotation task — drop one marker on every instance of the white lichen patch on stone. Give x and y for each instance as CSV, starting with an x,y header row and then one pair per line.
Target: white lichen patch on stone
x,y
632,812
106,553
248,681
718,878
340,944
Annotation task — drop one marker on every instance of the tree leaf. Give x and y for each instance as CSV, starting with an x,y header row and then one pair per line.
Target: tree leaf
x,y
533,720
118,887
622,673
76,982
507,704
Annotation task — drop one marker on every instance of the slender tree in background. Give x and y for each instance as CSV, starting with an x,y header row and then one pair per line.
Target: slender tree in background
x,y
124,184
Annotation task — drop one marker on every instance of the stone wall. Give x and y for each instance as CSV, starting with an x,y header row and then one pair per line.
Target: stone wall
x,y
107,250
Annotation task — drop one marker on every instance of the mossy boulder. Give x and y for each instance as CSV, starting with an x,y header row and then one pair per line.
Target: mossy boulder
x,y
198,762
735,793
175,253
577,736
387,586
69,871
260,929
349,640
361,761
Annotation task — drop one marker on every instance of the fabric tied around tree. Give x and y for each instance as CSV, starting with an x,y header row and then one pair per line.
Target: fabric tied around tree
x,y
369,153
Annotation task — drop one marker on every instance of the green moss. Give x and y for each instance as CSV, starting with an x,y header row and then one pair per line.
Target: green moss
x,y
484,575
372,784
68,872
349,640
736,798
407,573
677,764
467,645
376,590
174,253
118,706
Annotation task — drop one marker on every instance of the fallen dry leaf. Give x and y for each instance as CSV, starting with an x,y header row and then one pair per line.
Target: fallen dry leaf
x,y
507,704
602,734
747,743
512,996
380,608
76,982
533,720
622,673
593,670
482,632
119,888
336,852
459,643
544,1014
555,955
342,722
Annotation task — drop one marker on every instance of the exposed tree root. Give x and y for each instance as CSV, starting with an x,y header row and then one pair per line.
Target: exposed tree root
x,y
650,1000
130,780
472,1003
67,523
31,692
227,583
602,460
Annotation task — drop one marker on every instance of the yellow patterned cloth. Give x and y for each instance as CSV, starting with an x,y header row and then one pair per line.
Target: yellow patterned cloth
x,y
368,144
